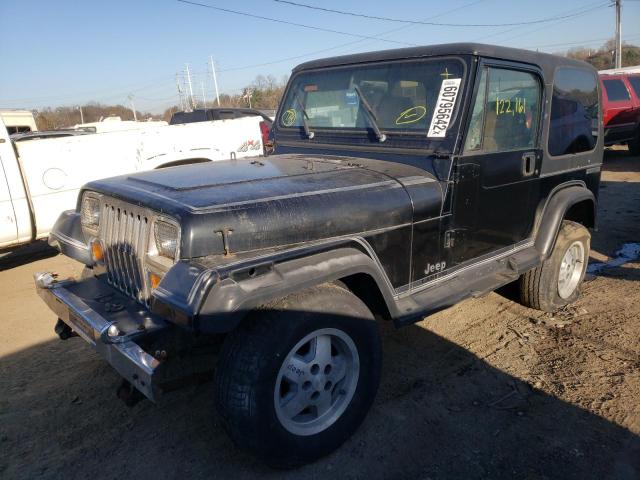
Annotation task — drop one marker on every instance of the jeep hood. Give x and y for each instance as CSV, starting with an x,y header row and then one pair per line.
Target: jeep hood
x,y
280,200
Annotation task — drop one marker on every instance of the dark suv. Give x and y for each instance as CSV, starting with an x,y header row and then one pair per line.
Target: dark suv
x,y
402,182
211,114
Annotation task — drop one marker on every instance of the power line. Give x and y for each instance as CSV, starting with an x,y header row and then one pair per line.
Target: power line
x,y
579,42
419,22
574,13
101,94
348,44
286,22
405,28
375,37
570,13
107,94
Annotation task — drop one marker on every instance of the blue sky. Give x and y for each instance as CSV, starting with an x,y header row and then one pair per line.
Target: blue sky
x,y
69,52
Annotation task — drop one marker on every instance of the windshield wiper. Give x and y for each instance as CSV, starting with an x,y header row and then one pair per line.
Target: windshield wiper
x,y
371,115
305,125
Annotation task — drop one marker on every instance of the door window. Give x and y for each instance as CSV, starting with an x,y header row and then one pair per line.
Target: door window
x,y
616,91
506,111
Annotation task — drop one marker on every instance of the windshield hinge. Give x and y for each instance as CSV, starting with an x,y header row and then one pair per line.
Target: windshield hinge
x,y
453,236
465,172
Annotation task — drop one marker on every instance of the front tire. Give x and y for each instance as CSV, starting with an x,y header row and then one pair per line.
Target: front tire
x,y
297,377
556,281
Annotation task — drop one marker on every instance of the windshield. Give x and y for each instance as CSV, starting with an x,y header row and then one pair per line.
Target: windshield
x,y
413,96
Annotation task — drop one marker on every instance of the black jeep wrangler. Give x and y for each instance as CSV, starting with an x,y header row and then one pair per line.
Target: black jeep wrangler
x,y
402,182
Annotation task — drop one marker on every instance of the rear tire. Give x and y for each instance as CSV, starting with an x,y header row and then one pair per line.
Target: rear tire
x,y
298,376
556,282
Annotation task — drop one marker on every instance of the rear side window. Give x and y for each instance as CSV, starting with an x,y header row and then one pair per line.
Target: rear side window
x,y
505,113
574,112
616,91
635,83
226,114
188,117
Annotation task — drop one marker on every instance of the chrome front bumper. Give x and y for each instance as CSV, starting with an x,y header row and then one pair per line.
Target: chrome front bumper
x,y
89,307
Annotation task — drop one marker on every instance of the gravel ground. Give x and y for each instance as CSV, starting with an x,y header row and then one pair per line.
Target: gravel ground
x,y
485,389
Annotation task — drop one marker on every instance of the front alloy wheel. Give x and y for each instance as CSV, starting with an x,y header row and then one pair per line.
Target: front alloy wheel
x,y
297,377
317,381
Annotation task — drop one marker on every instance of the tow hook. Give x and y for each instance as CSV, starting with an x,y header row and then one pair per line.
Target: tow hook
x,y
129,394
64,331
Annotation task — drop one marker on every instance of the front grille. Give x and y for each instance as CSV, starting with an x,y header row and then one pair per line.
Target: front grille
x,y
124,231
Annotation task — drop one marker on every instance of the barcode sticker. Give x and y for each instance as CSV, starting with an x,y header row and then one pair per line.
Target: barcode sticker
x,y
444,107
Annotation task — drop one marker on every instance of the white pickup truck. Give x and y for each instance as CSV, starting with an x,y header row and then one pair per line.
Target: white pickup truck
x,y
39,179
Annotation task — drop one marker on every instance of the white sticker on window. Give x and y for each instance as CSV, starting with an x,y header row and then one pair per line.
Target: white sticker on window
x,y
444,107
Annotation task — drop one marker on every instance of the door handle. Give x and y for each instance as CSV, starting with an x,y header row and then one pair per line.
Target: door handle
x,y
528,164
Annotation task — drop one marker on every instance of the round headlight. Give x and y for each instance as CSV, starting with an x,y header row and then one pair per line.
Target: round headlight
x,y
166,239
90,212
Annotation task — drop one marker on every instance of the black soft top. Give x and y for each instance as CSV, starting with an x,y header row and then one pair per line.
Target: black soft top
x,y
545,61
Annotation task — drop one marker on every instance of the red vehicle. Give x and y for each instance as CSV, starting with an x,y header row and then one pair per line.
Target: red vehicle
x,y
621,106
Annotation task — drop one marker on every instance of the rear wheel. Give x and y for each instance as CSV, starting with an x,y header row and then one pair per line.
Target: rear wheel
x,y
296,378
556,282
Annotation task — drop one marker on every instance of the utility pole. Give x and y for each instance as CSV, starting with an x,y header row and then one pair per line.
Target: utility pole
x,y
618,62
81,115
179,92
190,87
133,108
204,99
215,80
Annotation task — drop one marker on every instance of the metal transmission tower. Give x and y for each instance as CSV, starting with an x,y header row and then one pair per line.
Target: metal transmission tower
x,y
180,92
247,94
133,108
215,80
191,99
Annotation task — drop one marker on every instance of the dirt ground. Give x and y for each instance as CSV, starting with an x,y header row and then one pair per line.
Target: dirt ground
x,y
486,389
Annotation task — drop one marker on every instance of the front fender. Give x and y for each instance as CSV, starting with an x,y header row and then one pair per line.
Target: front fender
x,y
67,237
218,300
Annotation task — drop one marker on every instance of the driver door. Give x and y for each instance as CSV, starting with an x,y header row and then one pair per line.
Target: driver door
x,y
497,176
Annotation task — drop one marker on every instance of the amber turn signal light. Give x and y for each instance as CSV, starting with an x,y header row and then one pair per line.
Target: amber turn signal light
x,y
96,251
154,279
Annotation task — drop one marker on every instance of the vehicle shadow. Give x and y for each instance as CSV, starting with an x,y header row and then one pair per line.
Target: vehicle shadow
x,y
37,250
441,412
620,160
618,217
